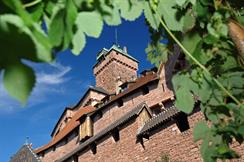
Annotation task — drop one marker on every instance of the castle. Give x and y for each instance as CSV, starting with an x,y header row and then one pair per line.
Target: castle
x,y
124,118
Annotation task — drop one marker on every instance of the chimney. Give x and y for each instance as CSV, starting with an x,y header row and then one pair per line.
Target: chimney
x,y
118,84
125,49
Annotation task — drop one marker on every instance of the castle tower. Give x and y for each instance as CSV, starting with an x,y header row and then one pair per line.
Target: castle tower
x,y
112,64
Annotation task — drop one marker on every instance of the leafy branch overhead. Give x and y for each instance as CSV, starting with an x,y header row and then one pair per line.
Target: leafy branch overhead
x,y
209,32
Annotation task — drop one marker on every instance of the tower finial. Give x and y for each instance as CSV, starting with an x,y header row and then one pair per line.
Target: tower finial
x,y
27,140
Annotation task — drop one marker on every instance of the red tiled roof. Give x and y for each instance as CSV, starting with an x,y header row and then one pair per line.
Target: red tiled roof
x,y
71,125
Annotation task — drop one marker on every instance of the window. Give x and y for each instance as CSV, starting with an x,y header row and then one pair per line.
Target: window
x,y
182,122
93,148
145,90
120,103
75,158
156,110
54,148
65,140
115,134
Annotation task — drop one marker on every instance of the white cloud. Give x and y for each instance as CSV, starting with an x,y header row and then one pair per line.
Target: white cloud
x,y
56,77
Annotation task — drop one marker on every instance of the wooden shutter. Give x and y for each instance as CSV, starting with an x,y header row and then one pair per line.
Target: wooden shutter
x,y
86,128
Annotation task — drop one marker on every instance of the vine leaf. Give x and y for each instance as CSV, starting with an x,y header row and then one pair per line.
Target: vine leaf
x,y
56,29
130,10
91,23
183,87
157,53
71,14
189,21
169,13
200,130
19,81
190,41
113,18
184,100
78,42
150,16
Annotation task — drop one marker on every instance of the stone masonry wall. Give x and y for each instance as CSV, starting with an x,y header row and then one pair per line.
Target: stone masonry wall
x,y
111,68
113,112
62,148
179,146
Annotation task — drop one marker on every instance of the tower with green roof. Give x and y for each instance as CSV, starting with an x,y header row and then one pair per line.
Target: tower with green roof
x,y
112,65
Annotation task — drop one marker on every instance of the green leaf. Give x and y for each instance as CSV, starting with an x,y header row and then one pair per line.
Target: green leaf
x,y
205,90
189,21
169,13
157,54
190,41
113,18
201,10
17,7
36,12
184,100
200,130
70,17
19,81
90,22
56,29
130,10
34,44
181,2
79,41
151,17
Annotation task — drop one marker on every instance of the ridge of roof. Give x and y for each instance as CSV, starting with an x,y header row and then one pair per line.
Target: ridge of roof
x,y
134,112
70,126
97,89
53,131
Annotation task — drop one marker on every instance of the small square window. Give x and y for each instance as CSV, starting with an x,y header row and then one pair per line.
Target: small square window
x,y
120,103
145,90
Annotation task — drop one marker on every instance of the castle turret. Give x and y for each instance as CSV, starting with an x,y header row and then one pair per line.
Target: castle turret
x,y
112,64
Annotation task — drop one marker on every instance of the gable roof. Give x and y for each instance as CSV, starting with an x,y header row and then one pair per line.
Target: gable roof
x,y
91,88
70,126
25,154
125,118
56,125
96,89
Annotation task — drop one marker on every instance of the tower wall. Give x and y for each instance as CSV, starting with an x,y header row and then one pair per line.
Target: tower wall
x,y
112,66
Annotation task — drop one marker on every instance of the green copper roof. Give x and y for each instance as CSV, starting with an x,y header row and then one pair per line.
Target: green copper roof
x,y
105,51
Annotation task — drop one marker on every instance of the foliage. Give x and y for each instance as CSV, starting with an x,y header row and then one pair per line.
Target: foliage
x,y
214,72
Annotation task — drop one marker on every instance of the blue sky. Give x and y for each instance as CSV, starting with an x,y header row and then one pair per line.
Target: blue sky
x,y
62,84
